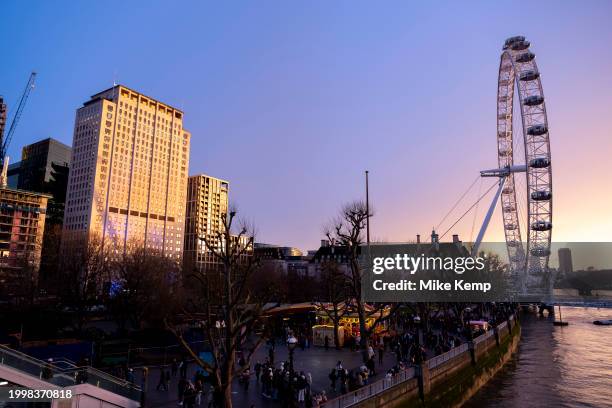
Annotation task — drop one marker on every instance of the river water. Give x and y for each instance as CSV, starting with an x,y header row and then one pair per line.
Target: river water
x,y
567,366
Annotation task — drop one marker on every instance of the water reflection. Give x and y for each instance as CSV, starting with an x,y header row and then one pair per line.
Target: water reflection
x,y
556,366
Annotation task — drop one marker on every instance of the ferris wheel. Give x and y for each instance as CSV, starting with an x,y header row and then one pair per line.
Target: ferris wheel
x,y
527,229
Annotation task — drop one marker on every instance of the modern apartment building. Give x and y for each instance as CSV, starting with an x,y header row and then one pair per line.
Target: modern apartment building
x,y
22,224
128,176
207,201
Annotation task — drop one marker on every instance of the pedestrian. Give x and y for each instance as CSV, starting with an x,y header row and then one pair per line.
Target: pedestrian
x,y
257,371
301,386
189,397
326,342
370,351
343,376
167,379
271,355
47,372
183,368
130,375
333,376
161,384
245,379
371,366
174,367
199,389
182,386
381,353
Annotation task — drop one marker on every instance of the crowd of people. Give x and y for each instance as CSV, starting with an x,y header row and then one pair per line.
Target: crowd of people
x,y
411,342
284,384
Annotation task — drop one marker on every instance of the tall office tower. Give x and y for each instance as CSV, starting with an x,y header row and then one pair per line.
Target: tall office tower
x,y
565,260
36,168
207,201
128,176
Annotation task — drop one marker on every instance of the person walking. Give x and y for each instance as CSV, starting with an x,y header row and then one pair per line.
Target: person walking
x,y
245,379
333,376
301,386
257,371
189,397
174,367
167,379
183,368
161,384
199,390
182,386
381,354
271,355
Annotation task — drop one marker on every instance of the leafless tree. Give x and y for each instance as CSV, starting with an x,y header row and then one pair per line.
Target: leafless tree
x,y
335,301
147,289
347,231
83,271
227,313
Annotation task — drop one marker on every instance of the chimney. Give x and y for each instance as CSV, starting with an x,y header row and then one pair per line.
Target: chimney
x,y
324,243
456,239
418,238
434,240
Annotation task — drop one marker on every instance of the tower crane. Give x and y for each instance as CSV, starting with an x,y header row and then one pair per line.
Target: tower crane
x,y
5,141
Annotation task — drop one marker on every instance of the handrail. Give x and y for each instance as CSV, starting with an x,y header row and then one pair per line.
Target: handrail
x,y
67,376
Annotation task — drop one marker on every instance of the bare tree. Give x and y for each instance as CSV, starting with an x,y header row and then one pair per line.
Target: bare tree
x,y
227,313
83,271
335,302
347,231
147,286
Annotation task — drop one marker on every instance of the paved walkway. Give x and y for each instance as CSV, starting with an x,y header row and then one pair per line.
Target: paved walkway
x,y
315,360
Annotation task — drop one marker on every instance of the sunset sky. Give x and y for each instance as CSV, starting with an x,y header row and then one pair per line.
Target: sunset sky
x,y
292,101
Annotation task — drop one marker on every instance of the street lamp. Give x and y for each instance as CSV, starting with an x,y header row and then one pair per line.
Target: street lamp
x,y
291,344
417,325
469,327
419,368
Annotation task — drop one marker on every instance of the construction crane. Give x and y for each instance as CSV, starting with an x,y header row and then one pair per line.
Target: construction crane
x,y
5,141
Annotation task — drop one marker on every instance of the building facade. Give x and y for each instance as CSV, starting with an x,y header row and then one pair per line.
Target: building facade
x,y
207,202
13,174
22,224
2,119
128,177
39,162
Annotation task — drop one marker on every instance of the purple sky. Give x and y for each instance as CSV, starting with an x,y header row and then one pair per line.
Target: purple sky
x,y
291,101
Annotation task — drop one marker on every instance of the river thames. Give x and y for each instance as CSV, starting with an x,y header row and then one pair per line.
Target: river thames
x,y
556,366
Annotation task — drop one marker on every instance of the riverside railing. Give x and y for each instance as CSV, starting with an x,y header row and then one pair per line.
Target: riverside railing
x,y
449,355
380,386
370,390
63,377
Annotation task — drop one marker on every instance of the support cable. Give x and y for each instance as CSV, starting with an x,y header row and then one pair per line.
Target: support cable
x,y
469,209
457,202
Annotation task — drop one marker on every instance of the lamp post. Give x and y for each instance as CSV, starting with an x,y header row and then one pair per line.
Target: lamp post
x,y
469,317
291,344
418,357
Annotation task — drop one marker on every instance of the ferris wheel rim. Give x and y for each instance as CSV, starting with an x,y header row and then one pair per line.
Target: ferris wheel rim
x,y
518,69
